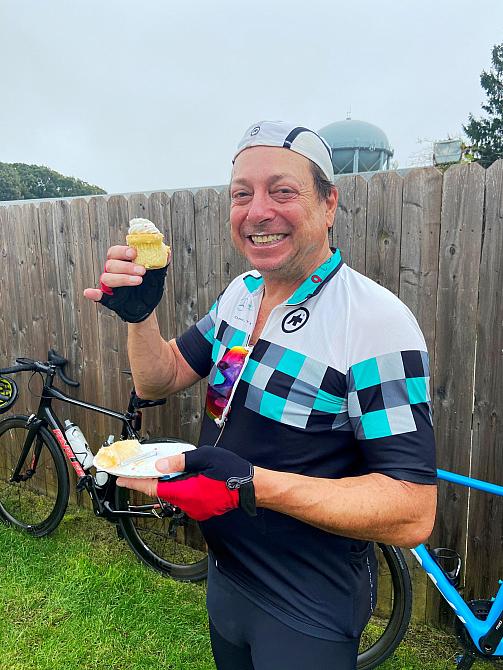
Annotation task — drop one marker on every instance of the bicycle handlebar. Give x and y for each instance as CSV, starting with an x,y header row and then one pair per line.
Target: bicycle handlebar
x,y
55,361
16,368
60,362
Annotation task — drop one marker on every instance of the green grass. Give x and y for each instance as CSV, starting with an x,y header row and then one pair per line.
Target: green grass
x,y
79,600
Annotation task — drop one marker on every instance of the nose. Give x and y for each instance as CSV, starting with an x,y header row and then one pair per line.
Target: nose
x,y
260,208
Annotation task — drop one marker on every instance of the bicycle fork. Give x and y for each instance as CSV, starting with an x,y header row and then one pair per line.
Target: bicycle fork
x,y
34,424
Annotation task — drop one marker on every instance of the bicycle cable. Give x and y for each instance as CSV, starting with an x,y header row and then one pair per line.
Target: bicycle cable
x,y
32,392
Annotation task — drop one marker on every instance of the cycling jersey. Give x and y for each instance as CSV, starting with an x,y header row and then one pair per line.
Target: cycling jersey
x,y
337,385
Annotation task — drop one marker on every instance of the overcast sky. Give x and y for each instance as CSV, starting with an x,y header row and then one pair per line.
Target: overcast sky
x,y
151,95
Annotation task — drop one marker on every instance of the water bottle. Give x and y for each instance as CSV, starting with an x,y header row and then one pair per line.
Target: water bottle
x,y
79,444
101,477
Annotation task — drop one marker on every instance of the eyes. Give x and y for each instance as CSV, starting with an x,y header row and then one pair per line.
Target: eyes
x,y
278,193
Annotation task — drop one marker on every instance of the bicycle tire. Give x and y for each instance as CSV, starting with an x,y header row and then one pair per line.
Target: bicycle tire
x,y
177,551
389,623
38,504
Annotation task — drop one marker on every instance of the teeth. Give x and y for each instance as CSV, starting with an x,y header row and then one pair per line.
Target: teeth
x,y
263,239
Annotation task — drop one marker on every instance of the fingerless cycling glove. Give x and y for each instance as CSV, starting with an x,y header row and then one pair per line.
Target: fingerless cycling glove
x,y
218,481
134,303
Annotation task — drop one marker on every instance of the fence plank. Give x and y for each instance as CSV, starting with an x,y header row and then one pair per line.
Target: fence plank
x,y
8,287
81,267
53,221
485,542
349,230
114,331
232,263
56,325
422,201
32,326
105,360
25,309
63,247
458,280
164,420
185,269
421,207
13,302
208,254
384,218
56,262
5,290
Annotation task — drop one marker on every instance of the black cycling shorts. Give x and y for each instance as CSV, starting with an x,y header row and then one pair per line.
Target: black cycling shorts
x,y
245,637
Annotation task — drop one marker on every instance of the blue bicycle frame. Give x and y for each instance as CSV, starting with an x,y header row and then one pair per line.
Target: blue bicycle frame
x,y
477,628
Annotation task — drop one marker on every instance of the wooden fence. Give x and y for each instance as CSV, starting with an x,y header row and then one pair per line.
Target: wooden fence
x,y
434,239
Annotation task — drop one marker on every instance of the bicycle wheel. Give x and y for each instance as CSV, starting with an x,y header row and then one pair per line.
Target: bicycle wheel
x,y
390,619
38,503
174,546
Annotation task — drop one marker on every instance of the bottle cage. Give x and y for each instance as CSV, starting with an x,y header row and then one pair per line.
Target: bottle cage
x,y
8,393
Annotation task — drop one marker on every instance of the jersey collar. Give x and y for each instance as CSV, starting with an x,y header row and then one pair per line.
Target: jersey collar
x,y
315,282
309,287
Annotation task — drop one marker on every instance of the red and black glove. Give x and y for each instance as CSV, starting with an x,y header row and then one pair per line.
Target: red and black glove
x,y
218,481
134,303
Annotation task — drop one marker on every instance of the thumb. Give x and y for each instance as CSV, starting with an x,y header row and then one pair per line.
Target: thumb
x,y
171,464
93,294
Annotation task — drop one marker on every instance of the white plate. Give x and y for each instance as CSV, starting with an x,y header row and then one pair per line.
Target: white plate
x,y
145,467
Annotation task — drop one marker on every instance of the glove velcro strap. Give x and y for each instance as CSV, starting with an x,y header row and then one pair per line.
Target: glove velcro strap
x,y
246,492
247,499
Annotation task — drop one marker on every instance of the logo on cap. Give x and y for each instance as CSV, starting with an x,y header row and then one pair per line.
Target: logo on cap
x,y
254,131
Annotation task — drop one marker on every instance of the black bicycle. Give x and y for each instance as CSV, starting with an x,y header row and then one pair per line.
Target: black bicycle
x,y
34,481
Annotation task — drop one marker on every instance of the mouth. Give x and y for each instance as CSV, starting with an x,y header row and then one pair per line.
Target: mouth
x,y
264,240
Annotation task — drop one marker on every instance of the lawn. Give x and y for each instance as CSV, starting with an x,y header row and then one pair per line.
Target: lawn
x,y
79,600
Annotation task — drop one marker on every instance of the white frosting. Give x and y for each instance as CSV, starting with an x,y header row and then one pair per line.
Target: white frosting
x,y
142,226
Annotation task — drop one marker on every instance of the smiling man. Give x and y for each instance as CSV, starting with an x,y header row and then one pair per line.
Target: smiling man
x,y
329,444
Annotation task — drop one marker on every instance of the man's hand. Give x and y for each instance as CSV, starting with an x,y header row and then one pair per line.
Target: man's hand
x,y
216,481
120,288
148,486
119,271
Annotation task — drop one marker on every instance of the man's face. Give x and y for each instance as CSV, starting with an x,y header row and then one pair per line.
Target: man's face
x,y
277,220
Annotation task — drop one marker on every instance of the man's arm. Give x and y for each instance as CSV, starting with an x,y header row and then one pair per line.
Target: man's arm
x,y
367,507
158,367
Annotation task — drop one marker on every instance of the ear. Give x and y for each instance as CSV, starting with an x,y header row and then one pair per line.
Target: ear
x,y
331,203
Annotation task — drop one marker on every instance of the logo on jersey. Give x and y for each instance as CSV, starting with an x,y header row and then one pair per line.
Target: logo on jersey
x,y
254,131
295,320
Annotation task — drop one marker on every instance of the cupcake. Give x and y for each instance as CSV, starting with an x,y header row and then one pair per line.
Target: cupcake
x,y
144,236
115,454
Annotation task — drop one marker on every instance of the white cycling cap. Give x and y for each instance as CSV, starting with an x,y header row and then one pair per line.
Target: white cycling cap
x,y
289,136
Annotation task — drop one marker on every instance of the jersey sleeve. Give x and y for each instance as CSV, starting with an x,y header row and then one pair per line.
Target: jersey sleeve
x,y
389,408
196,343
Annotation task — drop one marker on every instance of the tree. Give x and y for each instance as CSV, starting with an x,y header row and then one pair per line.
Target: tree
x,y
10,183
487,133
19,181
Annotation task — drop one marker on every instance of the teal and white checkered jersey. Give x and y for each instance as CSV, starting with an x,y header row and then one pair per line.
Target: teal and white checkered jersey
x,y
336,386
311,367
